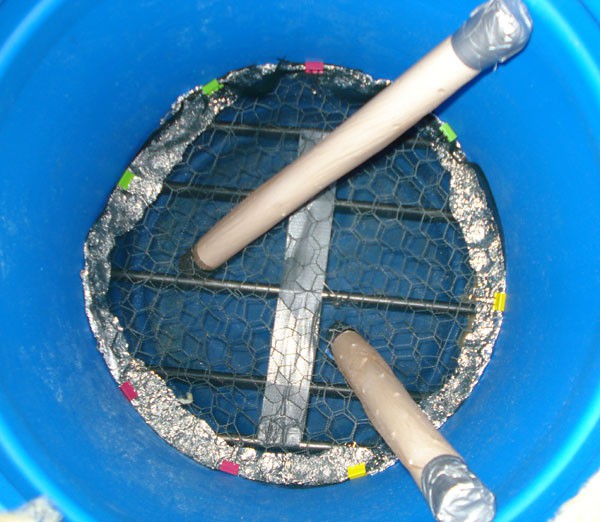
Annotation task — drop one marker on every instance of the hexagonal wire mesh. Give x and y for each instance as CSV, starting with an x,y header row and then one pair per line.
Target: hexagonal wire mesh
x,y
389,259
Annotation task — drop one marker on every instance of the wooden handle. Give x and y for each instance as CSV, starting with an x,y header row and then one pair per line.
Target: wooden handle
x,y
382,120
391,410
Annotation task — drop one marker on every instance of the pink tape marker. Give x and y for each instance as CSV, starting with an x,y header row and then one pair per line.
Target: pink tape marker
x,y
230,467
314,67
128,390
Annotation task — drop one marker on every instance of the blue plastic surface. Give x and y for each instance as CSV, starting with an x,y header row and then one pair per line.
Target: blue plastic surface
x,y
82,85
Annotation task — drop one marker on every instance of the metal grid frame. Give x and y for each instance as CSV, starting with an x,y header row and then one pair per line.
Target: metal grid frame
x,y
427,139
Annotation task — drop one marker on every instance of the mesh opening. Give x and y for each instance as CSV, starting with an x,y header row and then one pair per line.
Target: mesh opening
x,y
398,268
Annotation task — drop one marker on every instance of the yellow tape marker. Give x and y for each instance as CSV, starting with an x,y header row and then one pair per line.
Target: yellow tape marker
x,y
499,301
358,471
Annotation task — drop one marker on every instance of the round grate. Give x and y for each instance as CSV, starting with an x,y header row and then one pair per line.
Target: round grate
x,y
385,250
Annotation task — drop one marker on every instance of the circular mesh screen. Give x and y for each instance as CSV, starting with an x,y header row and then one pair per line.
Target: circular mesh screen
x,y
245,348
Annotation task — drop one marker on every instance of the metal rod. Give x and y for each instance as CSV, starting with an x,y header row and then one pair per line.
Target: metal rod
x,y
266,129
295,131
152,278
236,195
303,445
401,302
205,191
394,210
257,382
248,381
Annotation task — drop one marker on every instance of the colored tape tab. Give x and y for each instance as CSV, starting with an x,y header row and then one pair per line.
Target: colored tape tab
x,y
128,390
126,179
499,301
314,67
448,132
211,87
230,467
357,471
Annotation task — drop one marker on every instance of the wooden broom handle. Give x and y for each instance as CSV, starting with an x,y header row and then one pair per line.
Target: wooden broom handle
x,y
382,120
494,32
392,411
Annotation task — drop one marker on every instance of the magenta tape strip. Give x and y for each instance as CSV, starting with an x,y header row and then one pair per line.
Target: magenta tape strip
x,y
128,390
314,67
230,467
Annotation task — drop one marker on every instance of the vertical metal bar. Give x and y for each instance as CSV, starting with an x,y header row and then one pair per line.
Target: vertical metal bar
x,y
296,326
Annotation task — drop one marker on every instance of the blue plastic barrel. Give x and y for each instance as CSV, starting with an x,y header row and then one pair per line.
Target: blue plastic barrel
x,y
82,85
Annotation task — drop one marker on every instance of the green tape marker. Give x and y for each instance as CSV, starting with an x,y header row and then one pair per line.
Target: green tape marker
x,y
448,132
126,179
211,87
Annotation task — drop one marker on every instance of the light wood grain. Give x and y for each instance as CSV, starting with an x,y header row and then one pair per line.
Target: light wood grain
x,y
396,417
381,121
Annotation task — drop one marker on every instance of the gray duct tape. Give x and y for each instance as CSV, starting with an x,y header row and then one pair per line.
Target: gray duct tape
x,y
296,330
454,493
495,31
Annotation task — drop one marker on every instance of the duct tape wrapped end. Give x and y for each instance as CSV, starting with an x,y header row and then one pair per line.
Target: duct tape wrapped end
x,y
454,493
495,31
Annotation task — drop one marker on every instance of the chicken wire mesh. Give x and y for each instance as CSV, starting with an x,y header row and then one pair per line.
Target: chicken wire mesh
x,y
405,249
